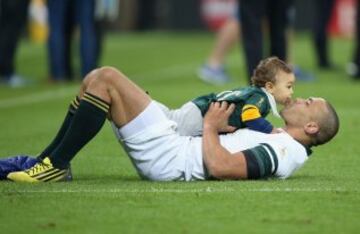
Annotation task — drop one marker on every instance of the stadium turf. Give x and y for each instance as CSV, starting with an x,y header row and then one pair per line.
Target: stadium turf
x,y
107,196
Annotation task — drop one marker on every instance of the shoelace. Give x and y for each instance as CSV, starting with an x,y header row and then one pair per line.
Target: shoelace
x,y
37,168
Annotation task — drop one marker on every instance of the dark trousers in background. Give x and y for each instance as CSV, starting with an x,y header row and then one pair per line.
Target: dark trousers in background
x,y
323,12
356,58
64,16
252,15
13,15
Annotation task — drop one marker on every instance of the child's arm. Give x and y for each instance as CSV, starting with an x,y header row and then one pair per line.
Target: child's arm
x,y
252,118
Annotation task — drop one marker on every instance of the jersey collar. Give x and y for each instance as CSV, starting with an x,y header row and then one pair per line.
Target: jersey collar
x,y
307,148
272,103
308,151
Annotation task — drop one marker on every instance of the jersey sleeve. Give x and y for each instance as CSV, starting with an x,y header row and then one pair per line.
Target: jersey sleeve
x,y
273,159
260,101
253,114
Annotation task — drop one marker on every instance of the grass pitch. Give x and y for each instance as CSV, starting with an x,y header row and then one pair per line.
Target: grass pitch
x,y
107,196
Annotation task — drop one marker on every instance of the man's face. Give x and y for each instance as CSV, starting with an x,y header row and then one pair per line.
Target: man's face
x,y
301,111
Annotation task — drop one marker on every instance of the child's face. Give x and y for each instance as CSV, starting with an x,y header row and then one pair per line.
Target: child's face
x,y
282,90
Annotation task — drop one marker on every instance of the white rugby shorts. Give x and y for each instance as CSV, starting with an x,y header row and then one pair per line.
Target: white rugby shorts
x,y
188,118
153,145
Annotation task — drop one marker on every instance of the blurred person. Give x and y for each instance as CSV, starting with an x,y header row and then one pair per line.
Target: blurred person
x,y
252,15
159,153
64,16
146,14
13,17
105,11
323,12
353,68
214,72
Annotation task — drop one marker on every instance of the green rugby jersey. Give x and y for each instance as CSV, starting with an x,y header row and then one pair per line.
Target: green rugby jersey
x,y
240,97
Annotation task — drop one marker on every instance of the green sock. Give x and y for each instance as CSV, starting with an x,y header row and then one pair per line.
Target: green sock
x,y
86,123
74,105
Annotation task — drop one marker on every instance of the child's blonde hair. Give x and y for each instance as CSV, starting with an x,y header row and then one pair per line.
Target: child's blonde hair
x,y
267,70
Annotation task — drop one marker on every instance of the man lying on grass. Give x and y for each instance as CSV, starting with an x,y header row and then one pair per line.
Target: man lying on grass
x,y
159,153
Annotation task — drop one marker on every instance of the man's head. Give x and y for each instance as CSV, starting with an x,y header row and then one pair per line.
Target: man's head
x,y
314,117
276,77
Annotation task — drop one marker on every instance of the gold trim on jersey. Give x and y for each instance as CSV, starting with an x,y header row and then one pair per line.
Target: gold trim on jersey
x,y
250,112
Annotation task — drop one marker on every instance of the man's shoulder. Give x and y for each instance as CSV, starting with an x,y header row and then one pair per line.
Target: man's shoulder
x,y
283,145
289,152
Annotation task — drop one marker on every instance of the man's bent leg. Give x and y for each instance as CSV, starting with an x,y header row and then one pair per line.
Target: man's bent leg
x,y
74,105
107,88
127,100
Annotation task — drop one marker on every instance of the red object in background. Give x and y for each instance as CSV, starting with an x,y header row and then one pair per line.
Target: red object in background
x,y
342,22
216,12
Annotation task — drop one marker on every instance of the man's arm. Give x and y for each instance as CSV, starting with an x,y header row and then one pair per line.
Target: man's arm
x,y
221,163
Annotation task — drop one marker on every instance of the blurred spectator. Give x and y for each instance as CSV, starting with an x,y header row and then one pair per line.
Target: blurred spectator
x,y
323,12
146,14
64,16
213,71
252,14
13,15
353,69
105,11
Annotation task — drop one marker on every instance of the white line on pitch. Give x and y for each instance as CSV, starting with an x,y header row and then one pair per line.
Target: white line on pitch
x,y
159,74
205,190
38,97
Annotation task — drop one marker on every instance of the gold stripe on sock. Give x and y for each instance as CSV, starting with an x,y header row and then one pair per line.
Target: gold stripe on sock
x,y
103,104
97,98
74,105
95,104
77,101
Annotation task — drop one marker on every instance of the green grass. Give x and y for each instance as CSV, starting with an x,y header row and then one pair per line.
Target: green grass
x,y
107,196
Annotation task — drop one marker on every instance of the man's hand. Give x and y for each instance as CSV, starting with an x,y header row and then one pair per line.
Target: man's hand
x,y
217,116
219,162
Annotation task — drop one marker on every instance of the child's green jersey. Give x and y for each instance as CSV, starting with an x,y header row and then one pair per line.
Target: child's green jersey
x,y
240,97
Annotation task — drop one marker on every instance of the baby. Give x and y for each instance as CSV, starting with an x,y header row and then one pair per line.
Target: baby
x,y
272,84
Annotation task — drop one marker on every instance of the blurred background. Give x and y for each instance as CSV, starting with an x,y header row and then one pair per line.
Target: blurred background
x,y
60,41
176,50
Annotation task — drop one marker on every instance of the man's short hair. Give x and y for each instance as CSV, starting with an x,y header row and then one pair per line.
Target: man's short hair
x,y
267,70
329,126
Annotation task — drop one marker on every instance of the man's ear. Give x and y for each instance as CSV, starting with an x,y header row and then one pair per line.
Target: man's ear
x,y
269,86
311,128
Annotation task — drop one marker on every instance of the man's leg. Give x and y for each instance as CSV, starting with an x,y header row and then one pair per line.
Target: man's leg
x,y
74,105
104,89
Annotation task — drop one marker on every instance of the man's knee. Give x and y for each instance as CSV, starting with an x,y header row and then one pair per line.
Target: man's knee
x,y
109,73
103,76
90,76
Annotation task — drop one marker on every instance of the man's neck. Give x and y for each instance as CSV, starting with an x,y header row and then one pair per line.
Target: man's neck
x,y
298,134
